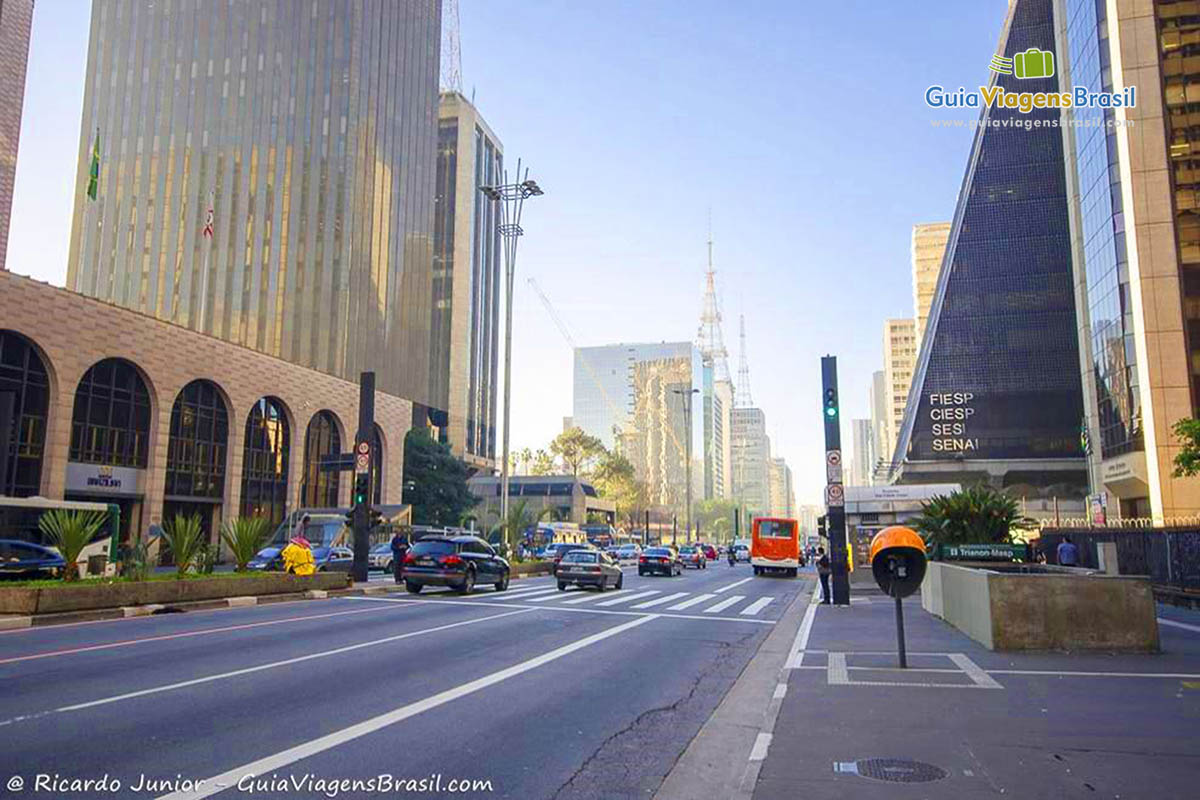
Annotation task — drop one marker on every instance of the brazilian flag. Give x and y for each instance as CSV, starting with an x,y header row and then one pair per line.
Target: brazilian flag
x,y
94,174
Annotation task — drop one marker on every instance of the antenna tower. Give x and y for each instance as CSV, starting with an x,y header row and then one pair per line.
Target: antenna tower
x,y
712,341
451,67
742,399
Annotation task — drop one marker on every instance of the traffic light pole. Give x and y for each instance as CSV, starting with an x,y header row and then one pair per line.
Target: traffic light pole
x,y
361,497
834,490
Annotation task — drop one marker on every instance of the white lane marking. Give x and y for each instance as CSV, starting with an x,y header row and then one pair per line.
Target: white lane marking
x,y
524,596
554,594
761,745
974,671
724,604
800,644
269,764
1182,676
757,606
659,601
689,603
524,591
780,691
735,583
1172,623
628,598
275,664
590,597
610,612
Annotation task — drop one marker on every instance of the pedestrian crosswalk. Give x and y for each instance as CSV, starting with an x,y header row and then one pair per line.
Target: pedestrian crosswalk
x,y
638,599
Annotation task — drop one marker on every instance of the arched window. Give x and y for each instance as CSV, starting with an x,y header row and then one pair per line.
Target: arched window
x,y
265,461
196,448
111,421
24,377
320,489
377,466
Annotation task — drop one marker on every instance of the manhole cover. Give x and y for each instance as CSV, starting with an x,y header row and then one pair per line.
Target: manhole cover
x,y
897,770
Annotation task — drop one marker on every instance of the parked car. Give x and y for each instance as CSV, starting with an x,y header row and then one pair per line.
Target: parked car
x,y
327,559
555,552
693,556
28,560
380,557
460,562
655,560
589,568
710,552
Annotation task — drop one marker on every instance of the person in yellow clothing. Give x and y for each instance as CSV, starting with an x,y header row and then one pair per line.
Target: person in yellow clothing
x,y
298,557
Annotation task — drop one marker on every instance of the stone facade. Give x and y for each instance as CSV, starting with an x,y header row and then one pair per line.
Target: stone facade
x,y
73,332
16,19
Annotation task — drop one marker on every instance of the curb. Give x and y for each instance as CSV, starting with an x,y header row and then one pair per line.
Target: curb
x,y
17,622
724,757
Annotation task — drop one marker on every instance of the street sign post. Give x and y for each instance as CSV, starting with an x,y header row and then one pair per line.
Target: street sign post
x,y
835,497
361,511
339,462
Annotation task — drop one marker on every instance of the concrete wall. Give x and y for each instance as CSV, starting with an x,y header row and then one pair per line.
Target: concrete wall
x,y
1011,611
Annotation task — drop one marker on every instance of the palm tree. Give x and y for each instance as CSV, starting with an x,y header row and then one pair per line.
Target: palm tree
x,y
511,526
245,536
976,515
70,532
185,538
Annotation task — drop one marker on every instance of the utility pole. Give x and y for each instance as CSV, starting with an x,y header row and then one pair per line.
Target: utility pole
x,y
510,197
686,395
361,500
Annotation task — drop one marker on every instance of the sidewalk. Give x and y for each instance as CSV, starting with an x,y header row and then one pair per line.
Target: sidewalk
x,y
978,723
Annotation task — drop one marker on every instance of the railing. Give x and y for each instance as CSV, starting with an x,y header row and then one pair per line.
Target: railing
x,y
1169,555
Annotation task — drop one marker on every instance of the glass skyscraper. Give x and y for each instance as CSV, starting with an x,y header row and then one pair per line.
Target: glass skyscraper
x,y
309,130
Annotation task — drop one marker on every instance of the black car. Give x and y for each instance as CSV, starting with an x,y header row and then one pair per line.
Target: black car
x,y
460,562
659,560
27,560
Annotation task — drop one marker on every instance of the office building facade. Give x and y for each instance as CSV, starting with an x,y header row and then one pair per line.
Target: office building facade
x,y
309,131
639,398
751,449
16,21
862,453
996,393
878,399
900,345
465,330
782,499
717,397
928,248
1134,179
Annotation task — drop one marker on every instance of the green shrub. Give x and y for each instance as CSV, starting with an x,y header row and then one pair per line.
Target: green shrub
x,y
185,538
245,536
70,532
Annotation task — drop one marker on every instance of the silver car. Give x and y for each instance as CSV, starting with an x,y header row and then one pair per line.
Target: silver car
x,y
589,568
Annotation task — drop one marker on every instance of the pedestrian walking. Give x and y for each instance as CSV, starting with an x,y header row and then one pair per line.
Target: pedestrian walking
x,y
824,569
1068,553
399,549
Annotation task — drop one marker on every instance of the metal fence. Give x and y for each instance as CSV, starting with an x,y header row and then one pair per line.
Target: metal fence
x,y
1170,556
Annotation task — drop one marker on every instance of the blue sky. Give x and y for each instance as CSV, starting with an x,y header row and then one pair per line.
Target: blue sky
x,y
801,126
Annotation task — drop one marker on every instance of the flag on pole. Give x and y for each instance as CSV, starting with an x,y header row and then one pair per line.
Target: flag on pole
x,y
208,219
94,173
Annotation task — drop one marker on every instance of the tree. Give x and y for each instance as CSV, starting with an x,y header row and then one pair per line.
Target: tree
x,y
435,482
1187,462
542,464
976,515
509,528
245,536
577,449
70,532
615,479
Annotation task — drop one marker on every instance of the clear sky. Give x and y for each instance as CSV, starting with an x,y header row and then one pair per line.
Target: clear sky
x,y
802,126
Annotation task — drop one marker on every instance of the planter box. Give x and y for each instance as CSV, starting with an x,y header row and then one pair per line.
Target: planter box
x,y
52,599
539,568
1054,610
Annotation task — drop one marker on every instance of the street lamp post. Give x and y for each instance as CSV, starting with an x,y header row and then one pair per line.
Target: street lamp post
x,y
510,197
686,395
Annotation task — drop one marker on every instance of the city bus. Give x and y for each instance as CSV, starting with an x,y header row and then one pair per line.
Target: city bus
x,y
775,545
19,520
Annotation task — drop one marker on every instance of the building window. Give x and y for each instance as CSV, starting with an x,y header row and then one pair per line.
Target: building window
x,y
111,421
320,489
23,375
196,448
265,462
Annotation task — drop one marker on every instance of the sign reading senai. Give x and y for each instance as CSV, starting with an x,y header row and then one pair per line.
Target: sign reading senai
x,y
951,413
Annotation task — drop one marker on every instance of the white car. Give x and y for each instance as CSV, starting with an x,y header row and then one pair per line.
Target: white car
x,y
741,552
380,557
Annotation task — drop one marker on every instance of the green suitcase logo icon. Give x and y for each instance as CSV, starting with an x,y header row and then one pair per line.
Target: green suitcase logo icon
x,y
1034,63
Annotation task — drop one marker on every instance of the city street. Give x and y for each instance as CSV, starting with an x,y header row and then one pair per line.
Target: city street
x,y
543,693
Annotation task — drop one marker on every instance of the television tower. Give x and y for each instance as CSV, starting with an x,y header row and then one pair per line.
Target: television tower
x,y
711,340
742,399
451,67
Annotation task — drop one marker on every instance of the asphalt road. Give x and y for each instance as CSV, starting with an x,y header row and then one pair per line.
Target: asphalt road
x,y
541,693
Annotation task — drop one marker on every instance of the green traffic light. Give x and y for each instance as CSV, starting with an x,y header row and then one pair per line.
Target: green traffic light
x,y
831,411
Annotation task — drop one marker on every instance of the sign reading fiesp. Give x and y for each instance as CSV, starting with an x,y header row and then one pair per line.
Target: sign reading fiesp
x,y
951,413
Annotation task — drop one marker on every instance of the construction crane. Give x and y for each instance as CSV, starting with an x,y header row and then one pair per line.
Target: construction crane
x,y
618,412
